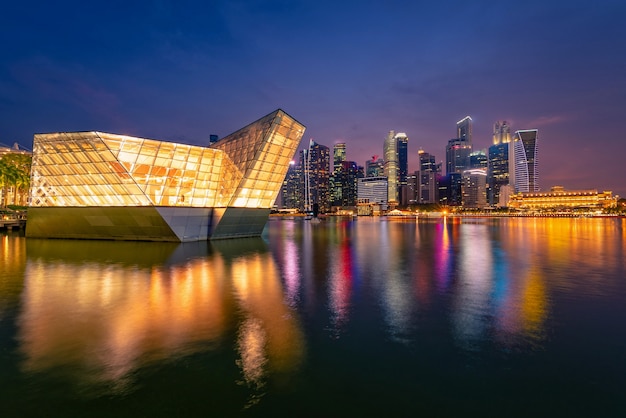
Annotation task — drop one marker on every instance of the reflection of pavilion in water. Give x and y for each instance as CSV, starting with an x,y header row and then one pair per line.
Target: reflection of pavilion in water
x,y
110,308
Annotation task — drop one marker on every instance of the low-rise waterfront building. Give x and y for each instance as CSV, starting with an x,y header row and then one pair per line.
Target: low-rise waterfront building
x,y
94,185
560,199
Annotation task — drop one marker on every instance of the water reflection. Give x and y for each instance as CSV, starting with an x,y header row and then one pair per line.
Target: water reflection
x,y
314,309
104,310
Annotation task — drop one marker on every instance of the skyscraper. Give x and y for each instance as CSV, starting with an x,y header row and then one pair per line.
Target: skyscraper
x,y
425,187
457,155
291,192
464,130
396,165
524,174
474,189
402,142
315,162
339,156
345,183
498,171
501,133
498,161
375,167
391,166
459,148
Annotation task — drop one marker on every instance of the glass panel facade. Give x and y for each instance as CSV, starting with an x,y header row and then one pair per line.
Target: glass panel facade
x,y
244,169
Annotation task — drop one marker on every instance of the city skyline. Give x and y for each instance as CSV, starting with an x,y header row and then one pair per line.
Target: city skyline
x,y
350,73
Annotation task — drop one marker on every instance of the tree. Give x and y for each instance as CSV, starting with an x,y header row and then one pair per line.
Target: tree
x,y
15,176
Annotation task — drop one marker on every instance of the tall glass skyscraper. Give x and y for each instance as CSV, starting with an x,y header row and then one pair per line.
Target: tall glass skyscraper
x,y
315,162
501,133
391,166
457,155
339,156
464,129
459,149
395,150
498,157
525,174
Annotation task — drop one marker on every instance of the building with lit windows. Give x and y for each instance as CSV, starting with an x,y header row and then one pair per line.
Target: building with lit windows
x,y
457,155
373,190
96,185
524,173
473,188
560,199
464,129
375,167
315,163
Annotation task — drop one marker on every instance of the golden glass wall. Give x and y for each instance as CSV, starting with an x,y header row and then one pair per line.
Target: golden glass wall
x,y
264,163
84,169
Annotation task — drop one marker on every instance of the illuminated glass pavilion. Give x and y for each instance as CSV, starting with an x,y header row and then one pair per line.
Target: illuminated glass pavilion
x,y
95,185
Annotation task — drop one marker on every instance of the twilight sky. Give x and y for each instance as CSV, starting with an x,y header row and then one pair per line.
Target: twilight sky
x,y
348,70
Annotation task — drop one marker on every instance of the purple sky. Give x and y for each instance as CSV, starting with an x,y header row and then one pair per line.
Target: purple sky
x,y
348,70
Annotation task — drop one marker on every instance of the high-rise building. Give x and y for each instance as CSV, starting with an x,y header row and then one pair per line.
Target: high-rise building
x,y
402,142
478,159
428,162
498,171
501,133
464,130
524,174
373,190
449,192
391,166
396,164
375,167
474,188
345,182
498,162
425,188
457,155
291,192
315,183
339,154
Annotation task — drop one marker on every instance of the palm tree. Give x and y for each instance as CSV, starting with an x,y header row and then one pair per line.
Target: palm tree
x,y
14,174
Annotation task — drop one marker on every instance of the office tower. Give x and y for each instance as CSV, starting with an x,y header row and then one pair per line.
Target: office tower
x,y
524,174
346,184
457,156
498,162
474,188
478,159
373,190
402,142
375,167
426,178
464,130
291,192
497,171
427,162
315,183
339,154
390,154
395,151
449,189
501,133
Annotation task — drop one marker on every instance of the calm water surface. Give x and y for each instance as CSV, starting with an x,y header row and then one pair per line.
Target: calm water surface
x,y
473,317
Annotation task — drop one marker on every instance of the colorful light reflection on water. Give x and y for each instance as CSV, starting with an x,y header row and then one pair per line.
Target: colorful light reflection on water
x,y
345,317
